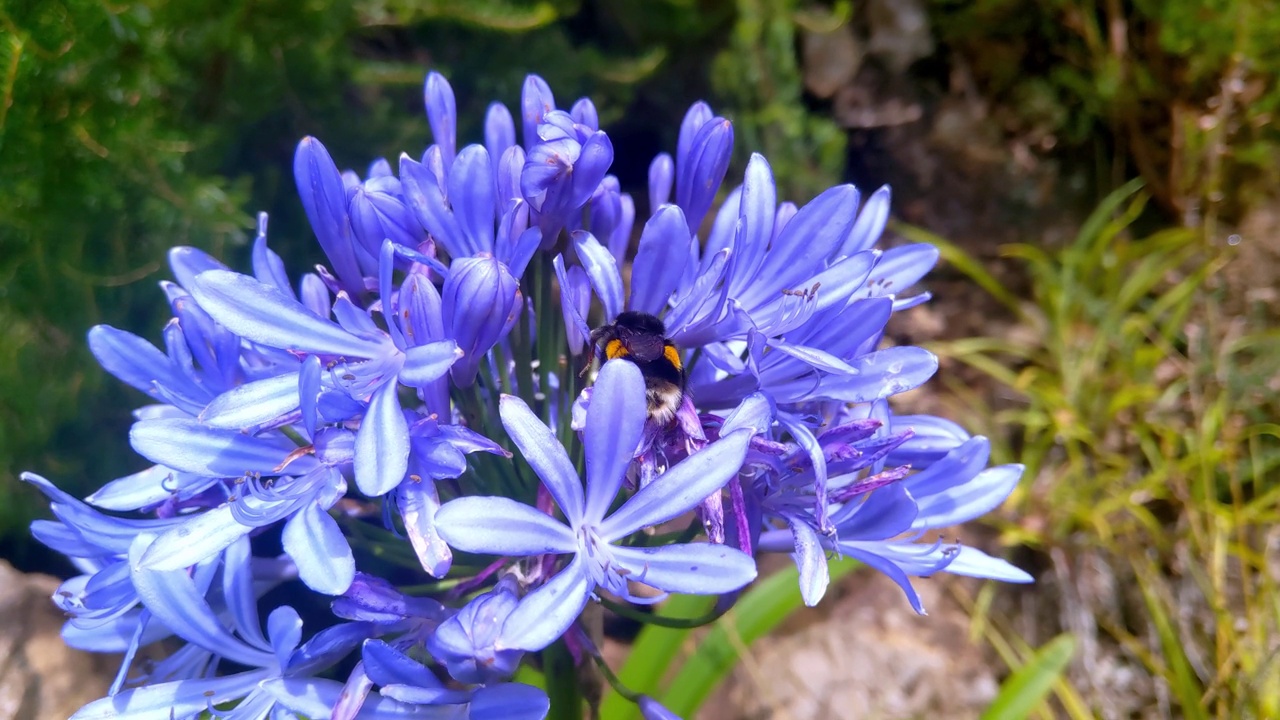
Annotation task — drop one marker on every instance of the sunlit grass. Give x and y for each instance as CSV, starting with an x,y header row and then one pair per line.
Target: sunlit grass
x,y
1142,415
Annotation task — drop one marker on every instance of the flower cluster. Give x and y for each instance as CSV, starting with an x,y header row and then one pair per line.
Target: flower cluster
x,y
416,407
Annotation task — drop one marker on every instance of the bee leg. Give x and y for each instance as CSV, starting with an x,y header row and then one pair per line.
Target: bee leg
x,y
591,357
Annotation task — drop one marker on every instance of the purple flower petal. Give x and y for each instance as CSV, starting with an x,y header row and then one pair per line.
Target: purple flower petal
x,y
198,538
471,192
755,413
419,502
133,360
894,573
509,701
881,374
499,131
141,489
932,438
481,301
181,698
886,513
187,445
811,560
660,260
584,112
188,262
315,698
695,117
807,242
382,444
662,174
575,301
502,526
870,224
316,544
958,467
237,589
680,488
536,101
899,268
174,599
615,424
701,169
388,666
379,214
602,269
972,562
442,114
590,168
284,627
424,364
426,199
325,200
254,403
546,613
266,315
545,455
980,495
696,568
819,359
758,208
651,709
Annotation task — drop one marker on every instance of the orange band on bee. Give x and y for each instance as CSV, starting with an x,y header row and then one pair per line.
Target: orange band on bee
x,y
614,349
672,355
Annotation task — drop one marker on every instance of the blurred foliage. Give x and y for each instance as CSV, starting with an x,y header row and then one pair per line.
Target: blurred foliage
x,y
1146,420
1183,94
758,75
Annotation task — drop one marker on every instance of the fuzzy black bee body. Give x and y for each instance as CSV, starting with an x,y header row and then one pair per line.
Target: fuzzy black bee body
x,y
641,338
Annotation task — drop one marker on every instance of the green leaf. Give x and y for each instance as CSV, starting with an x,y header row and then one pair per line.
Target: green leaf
x,y
1027,688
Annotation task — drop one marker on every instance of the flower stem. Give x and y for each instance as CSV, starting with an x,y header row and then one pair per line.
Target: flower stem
x,y
631,613
562,683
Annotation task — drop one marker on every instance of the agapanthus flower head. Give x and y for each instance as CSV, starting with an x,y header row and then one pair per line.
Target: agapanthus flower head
x,y
412,423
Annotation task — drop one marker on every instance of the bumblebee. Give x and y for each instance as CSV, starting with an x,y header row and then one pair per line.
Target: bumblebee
x,y
642,339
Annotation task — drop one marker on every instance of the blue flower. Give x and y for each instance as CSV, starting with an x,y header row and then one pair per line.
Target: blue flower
x,y
363,361
178,686
467,643
615,424
878,520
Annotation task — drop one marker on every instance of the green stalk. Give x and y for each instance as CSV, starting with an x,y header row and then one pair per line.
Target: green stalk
x,y
562,683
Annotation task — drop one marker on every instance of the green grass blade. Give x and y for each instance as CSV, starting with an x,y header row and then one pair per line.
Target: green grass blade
x,y
1027,688
1181,677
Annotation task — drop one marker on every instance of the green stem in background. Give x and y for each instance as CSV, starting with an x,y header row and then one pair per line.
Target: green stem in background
x,y
504,374
485,420
562,683
550,331
522,353
640,616
614,681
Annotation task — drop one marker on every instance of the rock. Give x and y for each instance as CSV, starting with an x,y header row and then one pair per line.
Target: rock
x,y
40,677
871,656
830,60
900,33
